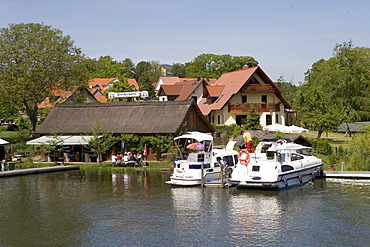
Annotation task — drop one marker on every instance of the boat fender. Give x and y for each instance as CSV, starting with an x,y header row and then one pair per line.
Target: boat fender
x,y
285,182
300,178
243,156
313,176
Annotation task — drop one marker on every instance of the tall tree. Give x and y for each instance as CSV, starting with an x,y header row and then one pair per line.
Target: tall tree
x,y
120,85
146,73
178,69
213,66
335,90
100,141
105,67
288,89
130,67
36,59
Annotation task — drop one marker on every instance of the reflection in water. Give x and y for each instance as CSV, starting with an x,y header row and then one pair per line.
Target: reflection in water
x,y
104,208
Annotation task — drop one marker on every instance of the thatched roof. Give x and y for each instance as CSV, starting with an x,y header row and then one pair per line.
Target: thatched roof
x,y
144,118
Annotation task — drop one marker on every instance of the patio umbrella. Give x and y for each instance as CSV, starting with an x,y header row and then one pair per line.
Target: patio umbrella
x,y
277,127
145,150
195,145
296,129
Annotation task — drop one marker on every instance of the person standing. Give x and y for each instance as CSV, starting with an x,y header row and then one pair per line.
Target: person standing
x,y
248,142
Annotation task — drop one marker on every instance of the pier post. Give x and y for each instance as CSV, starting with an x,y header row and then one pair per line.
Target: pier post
x,y
202,174
222,175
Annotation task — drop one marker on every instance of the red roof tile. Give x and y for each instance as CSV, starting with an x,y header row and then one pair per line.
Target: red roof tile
x,y
232,82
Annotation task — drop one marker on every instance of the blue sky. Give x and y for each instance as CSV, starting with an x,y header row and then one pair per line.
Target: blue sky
x,y
285,37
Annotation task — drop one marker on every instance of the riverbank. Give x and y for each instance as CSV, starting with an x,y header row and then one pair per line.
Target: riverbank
x,y
153,165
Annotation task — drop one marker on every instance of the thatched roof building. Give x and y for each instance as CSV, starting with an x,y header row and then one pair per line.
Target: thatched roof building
x,y
143,118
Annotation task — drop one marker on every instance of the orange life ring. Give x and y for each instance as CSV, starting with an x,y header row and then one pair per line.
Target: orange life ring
x,y
243,156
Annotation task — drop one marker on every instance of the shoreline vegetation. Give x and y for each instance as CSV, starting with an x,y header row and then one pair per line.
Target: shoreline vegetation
x,y
18,140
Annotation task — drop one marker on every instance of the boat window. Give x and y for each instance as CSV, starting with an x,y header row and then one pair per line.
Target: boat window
x,y
236,159
200,157
281,157
207,146
256,168
294,157
286,168
265,147
199,166
229,160
270,155
304,151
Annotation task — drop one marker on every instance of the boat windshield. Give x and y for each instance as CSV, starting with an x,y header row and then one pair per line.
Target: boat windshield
x,y
186,147
305,151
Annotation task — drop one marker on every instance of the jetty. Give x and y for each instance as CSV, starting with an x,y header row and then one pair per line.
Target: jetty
x,y
28,171
345,174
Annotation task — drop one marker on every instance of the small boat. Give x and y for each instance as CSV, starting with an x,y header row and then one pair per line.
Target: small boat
x,y
200,162
276,164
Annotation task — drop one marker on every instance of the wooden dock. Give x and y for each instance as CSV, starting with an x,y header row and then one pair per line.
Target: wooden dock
x,y
28,171
346,174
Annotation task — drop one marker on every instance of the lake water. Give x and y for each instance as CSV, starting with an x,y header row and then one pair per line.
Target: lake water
x,y
98,208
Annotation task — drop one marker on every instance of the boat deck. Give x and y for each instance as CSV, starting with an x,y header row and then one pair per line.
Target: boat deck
x,y
37,170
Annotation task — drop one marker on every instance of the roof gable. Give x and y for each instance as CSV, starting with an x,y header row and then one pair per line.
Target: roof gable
x,y
233,82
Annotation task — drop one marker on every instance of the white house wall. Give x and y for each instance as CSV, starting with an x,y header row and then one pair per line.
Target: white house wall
x,y
226,118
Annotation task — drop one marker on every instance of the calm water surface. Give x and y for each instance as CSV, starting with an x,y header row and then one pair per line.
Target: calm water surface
x,y
98,208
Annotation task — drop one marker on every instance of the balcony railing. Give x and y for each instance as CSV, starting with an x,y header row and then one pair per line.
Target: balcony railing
x,y
258,88
259,107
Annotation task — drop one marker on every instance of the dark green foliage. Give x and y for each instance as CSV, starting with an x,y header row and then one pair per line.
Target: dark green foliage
x,y
178,70
253,120
104,67
160,144
12,127
101,140
336,90
213,66
321,146
229,131
35,60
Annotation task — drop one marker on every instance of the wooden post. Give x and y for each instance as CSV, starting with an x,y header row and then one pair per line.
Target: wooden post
x,y
202,174
222,175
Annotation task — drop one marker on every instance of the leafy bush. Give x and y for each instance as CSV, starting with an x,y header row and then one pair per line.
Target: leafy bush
x,y
12,127
321,146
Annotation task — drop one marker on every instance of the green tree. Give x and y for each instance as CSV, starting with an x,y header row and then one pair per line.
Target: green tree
x,y
358,158
335,90
54,146
288,89
213,66
253,120
130,67
105,67
36,59
101,141
161,144
121,85
146,73
178,69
